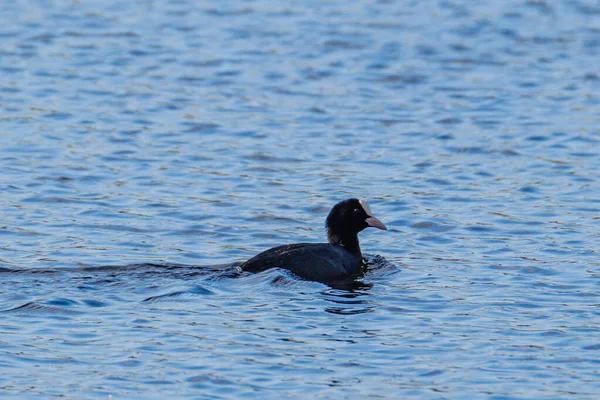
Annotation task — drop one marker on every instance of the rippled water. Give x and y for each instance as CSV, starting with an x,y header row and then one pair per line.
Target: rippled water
x,y
149,146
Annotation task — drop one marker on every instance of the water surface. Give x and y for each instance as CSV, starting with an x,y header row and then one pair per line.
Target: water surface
x,y
146,146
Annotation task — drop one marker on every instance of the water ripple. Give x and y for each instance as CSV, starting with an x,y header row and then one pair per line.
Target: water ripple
x,y
148,149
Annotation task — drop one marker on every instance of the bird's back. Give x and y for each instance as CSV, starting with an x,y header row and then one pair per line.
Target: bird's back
x,y
323,262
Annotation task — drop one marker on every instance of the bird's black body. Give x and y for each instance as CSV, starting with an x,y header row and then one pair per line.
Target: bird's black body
x,y
339,259
322,262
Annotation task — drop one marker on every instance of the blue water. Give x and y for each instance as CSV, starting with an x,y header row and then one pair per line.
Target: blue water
x,y
148,146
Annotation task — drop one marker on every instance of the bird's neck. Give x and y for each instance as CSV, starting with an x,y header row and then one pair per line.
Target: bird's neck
x,y
348,241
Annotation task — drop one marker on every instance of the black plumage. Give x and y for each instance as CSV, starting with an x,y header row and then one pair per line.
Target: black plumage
x,y
339,259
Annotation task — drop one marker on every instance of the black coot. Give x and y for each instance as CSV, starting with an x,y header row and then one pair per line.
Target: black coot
x,y
339,259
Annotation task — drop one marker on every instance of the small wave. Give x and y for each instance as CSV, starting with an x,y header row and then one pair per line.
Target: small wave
x,y
180,294
33,307
377,266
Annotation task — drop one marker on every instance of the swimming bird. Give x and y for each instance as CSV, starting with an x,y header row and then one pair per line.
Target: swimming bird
x,y
339,259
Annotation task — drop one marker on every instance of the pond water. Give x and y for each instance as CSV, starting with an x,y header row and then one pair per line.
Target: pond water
x,y
148,146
